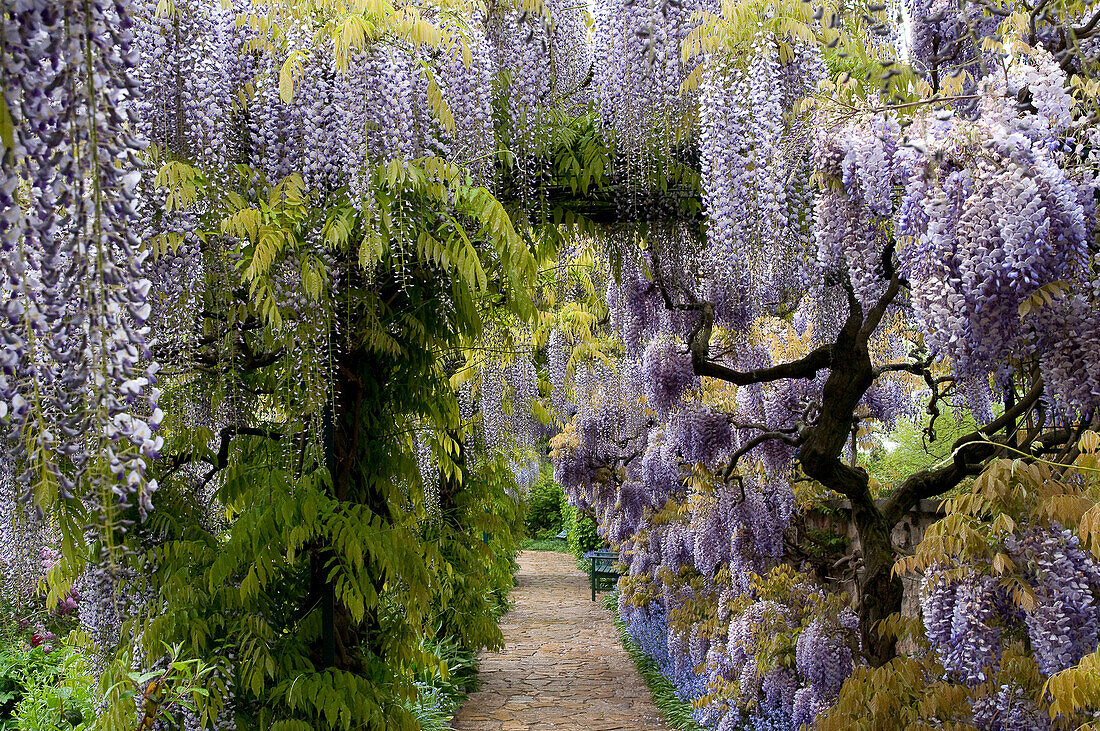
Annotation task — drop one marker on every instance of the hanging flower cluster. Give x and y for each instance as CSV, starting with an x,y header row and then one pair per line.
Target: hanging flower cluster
x,y
757,202
77,386
636,47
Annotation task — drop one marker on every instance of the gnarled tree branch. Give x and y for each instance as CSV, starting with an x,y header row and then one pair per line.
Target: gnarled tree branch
x,y
969,454
220,458
755,442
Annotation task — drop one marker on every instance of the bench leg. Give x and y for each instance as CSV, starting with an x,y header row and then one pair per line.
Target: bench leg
x,y
592,574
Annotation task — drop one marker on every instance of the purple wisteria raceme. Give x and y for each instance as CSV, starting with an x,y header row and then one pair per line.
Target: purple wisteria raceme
x,y
636,50
1070,362
824,658
700,433
522,381
558,352
806,706
863,166
756,197
777,692
78,292
941,34
634,305
521,43
990,223
964,624
571,53
965,619
22,537
464,82
1064,625
1009,709
668,369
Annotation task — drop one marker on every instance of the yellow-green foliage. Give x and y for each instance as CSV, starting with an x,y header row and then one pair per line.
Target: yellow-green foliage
x,y
477,535
903,694
909,692
244,588
732,36
1010,492
1077,688
913,692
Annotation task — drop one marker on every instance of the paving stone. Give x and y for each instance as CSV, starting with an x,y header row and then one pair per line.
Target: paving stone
x,y
562,666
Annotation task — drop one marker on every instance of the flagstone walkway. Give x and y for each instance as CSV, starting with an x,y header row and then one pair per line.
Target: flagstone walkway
x,y
562,666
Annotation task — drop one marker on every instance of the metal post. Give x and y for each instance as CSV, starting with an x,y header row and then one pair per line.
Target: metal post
x,y
592,575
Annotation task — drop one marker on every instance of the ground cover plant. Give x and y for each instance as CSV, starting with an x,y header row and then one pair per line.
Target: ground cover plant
x,y
674,710
294,291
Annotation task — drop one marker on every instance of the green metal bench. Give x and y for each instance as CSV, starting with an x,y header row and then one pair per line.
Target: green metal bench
x,y
601,569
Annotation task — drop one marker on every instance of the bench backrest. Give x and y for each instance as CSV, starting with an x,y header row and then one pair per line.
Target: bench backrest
x,y
603,561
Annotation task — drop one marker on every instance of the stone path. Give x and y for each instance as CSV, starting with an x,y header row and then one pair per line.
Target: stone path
x,y
562,666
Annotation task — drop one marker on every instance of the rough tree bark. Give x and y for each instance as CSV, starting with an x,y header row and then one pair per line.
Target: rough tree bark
x,y
821,443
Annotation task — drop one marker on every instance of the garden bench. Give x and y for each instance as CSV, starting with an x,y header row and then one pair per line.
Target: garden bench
x,y
601,567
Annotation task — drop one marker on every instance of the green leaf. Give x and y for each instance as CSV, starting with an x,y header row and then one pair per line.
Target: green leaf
x,y
290,73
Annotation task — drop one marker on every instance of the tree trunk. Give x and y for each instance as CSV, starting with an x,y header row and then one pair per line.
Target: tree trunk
x,y
880,592
344,640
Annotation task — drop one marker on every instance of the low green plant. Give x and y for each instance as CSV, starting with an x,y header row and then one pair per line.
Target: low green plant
x,y
155,696
44,690
433,709
476,535
476,538
545,544
442,683
582,531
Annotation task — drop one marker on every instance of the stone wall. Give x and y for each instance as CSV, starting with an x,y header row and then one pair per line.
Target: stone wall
x,y
835,518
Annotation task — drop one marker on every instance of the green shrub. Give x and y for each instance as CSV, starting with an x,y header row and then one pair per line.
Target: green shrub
x,y
477,536
582,531
910,450
441,683
45,691
544,518
545,544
